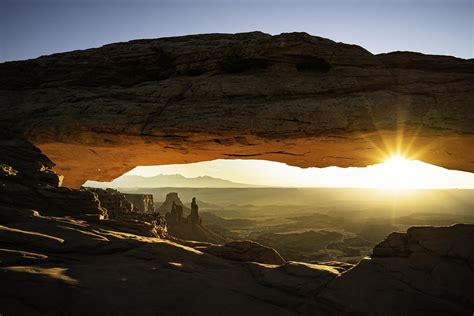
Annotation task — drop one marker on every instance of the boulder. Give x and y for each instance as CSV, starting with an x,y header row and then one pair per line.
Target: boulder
x,y
426,270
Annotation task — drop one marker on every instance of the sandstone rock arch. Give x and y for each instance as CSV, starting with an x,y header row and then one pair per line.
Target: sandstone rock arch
x,y
293,98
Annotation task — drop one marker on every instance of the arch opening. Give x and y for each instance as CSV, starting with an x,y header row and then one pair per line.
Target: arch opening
x,y
396,172
310,214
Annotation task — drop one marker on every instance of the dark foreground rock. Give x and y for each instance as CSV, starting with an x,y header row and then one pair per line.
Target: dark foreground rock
x,y
431,268
247,251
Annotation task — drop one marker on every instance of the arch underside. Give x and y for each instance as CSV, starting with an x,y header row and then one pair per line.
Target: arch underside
x,y
293,98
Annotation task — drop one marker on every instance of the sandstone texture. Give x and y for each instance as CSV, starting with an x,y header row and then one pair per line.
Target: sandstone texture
x,y
430,267
143,202
247,251
125,215
61,254
113,201
27,181
187,227
293,97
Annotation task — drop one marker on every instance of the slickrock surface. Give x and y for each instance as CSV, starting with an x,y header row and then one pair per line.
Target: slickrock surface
x,y
294,98
431,268
246,250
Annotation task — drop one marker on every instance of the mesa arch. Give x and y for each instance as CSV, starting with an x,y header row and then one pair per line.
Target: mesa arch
x,y
293,98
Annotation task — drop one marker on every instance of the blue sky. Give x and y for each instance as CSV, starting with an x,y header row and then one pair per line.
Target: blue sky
x,y
30,28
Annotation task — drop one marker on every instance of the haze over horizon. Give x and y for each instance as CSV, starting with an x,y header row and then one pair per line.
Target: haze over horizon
x,y
29,29
393,174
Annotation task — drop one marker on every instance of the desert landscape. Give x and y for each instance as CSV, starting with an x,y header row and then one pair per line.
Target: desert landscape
x,y
74,242
315,224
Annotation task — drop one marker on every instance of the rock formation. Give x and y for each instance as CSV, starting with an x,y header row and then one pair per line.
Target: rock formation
x,y
194,215
431,268
113,201
118,204
27,181
167,205
174,216
61,245
294,98
173,209
143,202
187,227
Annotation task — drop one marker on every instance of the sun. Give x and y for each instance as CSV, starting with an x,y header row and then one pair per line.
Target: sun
x,y
398,172
397,163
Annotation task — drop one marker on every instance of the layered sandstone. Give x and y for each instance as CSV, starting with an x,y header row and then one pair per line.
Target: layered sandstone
x,y
294,98
28,181
143,202
430,267
188,227
115,202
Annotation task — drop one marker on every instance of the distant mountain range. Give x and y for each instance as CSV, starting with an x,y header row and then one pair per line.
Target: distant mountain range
x,y
170,181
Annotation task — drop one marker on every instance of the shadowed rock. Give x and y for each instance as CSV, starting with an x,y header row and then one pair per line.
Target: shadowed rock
x,y
167,205
294,98
187,227
143,202
246,250
427,267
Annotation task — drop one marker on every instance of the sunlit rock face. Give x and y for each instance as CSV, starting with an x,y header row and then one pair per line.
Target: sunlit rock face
x,y
293,98
27,181
143,202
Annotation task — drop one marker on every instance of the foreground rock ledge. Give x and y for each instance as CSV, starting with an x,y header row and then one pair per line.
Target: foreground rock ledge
x,y
294,98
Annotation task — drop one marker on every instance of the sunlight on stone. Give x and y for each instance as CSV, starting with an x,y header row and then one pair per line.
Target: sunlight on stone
x,y
53,273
